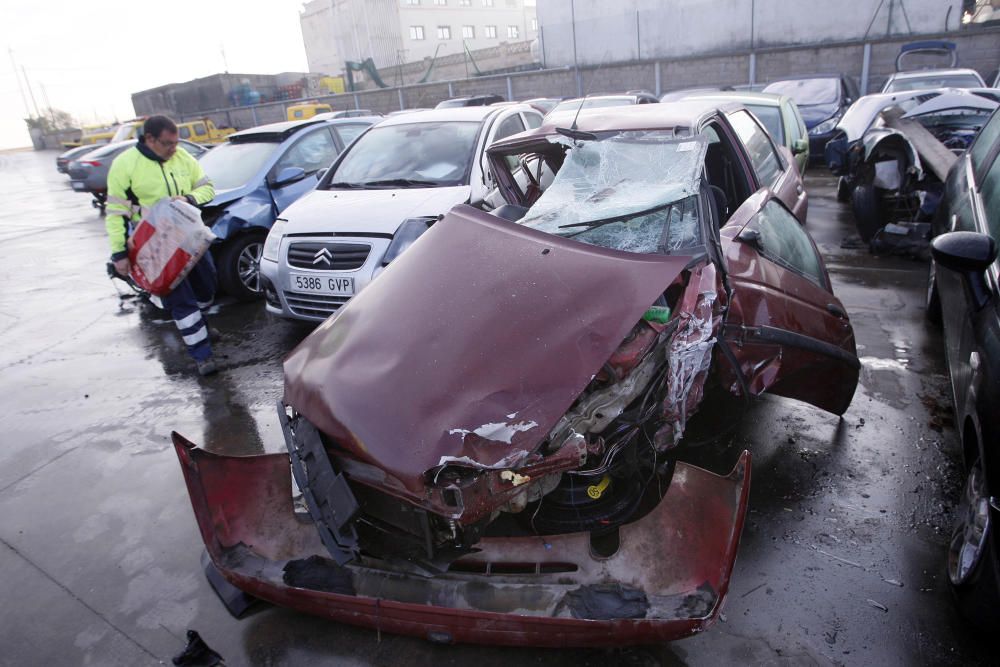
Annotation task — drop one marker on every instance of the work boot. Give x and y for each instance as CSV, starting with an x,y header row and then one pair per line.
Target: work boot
x,y
207,367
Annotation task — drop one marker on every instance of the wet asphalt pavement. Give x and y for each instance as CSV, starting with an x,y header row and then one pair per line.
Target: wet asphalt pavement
x,y
841,560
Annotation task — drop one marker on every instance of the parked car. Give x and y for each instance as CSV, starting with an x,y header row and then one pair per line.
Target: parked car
x,y
89,172
923,79
939,78
602,101
346,113
883,171
779,115
379,193
544,104
964,294
64,158
822,100
681,93
470,101
257,174
492,425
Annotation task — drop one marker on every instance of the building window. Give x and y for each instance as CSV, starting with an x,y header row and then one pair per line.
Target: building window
x,y
512,32
416,32
491,31
441,3
468,32
412,2
464,3
489,3
444,32
534,24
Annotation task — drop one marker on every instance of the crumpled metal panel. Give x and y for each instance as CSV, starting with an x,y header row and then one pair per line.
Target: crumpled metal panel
x,y
690,355
667,580
472,344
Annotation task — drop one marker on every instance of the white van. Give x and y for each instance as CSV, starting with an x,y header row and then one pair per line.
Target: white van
x,y
376,199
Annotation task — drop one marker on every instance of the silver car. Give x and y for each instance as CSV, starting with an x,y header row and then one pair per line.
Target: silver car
x,y
380,195
89,172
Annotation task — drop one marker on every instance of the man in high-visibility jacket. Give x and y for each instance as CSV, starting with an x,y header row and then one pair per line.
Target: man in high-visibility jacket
x,y
140,177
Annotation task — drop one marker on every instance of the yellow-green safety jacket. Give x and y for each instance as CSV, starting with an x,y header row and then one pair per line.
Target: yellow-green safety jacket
x,y
140,178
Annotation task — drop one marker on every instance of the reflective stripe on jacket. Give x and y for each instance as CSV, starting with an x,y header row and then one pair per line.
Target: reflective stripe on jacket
x,y
136,180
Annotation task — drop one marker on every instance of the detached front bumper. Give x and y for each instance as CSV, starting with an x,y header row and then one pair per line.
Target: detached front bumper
x,y
667,580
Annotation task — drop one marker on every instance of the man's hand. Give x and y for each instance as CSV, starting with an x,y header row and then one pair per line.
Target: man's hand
x,y
123,266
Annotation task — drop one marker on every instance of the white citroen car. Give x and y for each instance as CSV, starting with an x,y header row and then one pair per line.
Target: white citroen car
x,y
376,199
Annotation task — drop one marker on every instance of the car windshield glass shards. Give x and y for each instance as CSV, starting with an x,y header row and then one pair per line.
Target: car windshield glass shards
x,y
635,192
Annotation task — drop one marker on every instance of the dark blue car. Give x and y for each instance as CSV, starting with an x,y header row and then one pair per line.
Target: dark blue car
x,y
257,173
822,100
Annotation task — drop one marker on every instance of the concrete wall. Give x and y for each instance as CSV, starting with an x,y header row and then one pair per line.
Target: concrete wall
x,y
979,49
460,66
646,29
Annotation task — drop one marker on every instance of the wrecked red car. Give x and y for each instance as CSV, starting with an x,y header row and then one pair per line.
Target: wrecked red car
x,y
483,442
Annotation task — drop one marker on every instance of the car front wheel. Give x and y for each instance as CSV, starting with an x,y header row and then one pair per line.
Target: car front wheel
x,y
239,266
972,567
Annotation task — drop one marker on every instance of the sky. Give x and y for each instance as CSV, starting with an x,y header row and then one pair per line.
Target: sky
x,y
88,57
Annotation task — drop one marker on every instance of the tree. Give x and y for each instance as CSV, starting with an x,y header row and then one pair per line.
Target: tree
x,y
52,120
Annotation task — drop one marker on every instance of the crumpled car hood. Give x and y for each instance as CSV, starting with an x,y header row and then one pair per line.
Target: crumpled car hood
x,y
471,345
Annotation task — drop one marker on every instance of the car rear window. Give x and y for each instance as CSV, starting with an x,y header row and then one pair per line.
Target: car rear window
x,y
939,81
806,92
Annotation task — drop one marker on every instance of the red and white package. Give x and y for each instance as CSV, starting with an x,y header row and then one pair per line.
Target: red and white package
x,y
167,244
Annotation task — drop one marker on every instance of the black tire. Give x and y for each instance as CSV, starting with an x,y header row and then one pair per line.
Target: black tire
x,y
239,266
867,210
843,190
933,303
976,589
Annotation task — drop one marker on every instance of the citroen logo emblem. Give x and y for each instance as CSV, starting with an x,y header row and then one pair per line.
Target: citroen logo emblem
x,y
322,255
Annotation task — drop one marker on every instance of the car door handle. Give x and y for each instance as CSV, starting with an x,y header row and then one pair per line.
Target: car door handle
x,y
836,311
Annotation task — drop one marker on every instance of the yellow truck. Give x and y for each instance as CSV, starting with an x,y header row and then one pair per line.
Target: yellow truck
x,y
307,110
203,131
93,135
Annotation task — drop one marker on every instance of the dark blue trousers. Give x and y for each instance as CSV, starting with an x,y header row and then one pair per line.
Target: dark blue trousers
x,y
185,303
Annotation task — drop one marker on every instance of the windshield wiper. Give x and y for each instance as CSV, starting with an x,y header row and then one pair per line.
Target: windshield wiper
x,y
345,184
594,224
401,182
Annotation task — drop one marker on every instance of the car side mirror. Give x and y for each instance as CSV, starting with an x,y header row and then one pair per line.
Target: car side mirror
x,y
800,146
288,175
321,173
969,254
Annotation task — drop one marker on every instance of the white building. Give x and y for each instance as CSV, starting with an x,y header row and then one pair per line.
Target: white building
x,y
392,32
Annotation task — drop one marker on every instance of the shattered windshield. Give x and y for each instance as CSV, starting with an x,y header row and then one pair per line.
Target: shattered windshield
x,y
635,192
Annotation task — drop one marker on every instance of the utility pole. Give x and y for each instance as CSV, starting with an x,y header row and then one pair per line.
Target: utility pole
x,y
30,92
225,63
20,88
48,105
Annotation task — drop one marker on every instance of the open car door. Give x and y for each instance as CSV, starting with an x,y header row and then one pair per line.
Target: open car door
x,y
788,332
